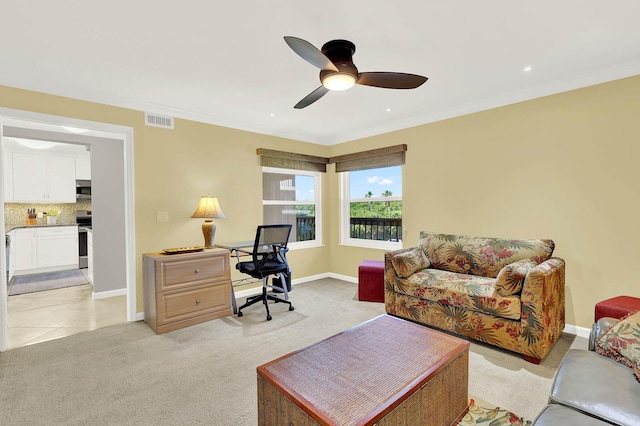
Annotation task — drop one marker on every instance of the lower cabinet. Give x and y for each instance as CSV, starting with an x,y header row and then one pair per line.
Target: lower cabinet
x,y
45,249
185,289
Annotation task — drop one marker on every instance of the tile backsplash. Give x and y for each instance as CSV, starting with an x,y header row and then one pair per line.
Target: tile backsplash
x,y
15,213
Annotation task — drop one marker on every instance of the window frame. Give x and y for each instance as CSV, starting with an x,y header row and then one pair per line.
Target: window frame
x,y
317,203
345,218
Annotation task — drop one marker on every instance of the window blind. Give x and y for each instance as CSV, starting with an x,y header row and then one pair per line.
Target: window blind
x,y
291,160
372,159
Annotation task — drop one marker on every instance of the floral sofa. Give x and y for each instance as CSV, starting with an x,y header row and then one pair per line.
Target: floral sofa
x,y
508,293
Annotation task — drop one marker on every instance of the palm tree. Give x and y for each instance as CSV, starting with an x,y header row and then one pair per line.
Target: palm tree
x,y
369,194
387,193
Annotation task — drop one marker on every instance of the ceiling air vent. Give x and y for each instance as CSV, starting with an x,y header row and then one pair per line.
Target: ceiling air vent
x,y
157,120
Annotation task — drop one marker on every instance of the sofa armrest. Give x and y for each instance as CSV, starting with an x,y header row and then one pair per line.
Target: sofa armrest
x,y
543,307
388,266
598,329
390,273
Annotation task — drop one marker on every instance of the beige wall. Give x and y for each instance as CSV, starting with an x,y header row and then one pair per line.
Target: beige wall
x,y
560,167
173,168
563,167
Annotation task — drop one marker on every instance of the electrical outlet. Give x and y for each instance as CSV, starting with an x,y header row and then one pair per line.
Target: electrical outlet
x,y
162,216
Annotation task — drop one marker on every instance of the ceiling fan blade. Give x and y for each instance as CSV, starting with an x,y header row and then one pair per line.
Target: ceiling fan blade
x,y
310,53
312,97
391,80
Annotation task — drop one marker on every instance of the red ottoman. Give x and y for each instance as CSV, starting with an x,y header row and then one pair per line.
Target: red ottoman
x,y
617,307
371,281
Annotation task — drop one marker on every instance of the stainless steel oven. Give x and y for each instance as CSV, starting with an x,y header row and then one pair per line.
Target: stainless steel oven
x,y
83,219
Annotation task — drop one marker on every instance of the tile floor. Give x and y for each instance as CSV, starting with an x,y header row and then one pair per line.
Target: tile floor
x,y
47,315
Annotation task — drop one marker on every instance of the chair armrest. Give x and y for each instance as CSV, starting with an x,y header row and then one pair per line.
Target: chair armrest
x,y
598,329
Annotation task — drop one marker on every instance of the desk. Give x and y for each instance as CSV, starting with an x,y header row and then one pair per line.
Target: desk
x,y
241,249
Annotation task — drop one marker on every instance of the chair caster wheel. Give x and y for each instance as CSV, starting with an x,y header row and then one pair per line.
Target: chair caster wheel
x,y
269,317
291,308
240,313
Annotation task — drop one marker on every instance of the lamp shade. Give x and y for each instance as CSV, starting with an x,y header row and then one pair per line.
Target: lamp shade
x,y
208,208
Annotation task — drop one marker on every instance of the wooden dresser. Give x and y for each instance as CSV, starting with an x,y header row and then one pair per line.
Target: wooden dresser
x,y
185,289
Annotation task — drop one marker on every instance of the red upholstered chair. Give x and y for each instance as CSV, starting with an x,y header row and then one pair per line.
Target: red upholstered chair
x,y
371,281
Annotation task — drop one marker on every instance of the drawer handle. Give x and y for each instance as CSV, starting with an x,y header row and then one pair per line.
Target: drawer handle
x,y
197,301
197,271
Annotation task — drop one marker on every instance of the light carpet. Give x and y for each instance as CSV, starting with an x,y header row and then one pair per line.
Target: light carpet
x,y
206,374
24,284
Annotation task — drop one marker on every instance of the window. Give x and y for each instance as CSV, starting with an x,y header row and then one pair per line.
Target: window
x,y
293,197
371,207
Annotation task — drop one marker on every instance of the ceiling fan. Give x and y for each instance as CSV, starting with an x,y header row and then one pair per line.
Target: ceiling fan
x,y
337,71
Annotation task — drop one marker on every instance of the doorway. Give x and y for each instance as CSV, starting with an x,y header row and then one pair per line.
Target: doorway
x,y
115,178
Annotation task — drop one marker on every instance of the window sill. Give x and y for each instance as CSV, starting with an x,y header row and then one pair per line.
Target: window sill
x,y
371,244
304,245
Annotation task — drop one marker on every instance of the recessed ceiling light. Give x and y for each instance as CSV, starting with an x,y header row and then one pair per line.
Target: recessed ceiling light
x,y
527,68
273,114
388,110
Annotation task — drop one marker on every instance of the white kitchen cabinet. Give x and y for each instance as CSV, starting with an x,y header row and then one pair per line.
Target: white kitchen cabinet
x,y
43,178
83,168
45,249
57,247
7,172
12,256
24,249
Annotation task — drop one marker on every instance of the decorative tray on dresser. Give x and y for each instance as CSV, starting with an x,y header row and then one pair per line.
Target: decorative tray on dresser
x,y
185,288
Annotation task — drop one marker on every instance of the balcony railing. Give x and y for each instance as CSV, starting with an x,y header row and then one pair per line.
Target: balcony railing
x,y
305,228
366,228
381,229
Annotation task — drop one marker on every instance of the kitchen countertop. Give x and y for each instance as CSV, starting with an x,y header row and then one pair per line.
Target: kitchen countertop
x,y
40,225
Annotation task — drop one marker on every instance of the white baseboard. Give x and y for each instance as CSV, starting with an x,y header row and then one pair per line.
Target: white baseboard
x,y
107,294
342,277
577,330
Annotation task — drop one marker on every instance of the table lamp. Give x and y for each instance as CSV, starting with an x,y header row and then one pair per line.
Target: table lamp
x,y
208,209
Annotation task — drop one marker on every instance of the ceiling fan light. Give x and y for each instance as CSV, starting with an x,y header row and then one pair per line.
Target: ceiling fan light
x,y
339,81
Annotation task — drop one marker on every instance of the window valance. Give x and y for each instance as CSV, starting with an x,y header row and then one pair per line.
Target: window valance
x,y
291,160
381,157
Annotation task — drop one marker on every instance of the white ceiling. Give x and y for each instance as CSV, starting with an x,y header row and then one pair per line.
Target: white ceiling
x,y
226,63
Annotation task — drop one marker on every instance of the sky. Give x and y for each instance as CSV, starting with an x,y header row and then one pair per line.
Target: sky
x,y
375,180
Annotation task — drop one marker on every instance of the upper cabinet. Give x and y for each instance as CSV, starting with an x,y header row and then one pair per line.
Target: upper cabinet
x,y
83,168
7,176
41,179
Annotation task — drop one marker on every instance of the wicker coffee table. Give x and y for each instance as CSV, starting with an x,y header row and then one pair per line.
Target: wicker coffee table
x,y
386,371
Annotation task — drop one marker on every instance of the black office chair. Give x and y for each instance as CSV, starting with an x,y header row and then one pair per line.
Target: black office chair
x,y
269,259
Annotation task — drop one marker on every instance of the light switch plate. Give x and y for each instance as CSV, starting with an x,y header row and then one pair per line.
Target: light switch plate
x,y
162,216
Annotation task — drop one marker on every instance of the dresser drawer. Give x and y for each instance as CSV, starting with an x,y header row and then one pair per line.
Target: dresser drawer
x,y
186,304
178,273
185,289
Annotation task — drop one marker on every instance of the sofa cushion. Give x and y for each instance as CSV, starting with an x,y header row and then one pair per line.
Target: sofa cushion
x,y
480,256
468,292
622,342
408,262
597,385
559,415
511,278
